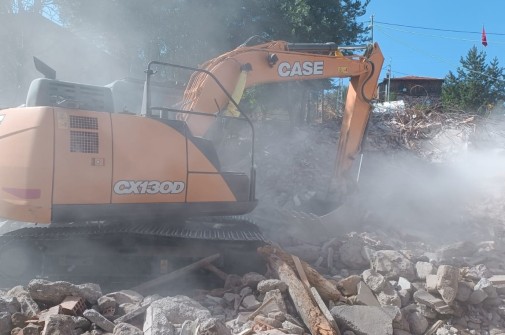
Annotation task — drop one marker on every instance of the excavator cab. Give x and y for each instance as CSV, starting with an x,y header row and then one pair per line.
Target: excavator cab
x,y
68,155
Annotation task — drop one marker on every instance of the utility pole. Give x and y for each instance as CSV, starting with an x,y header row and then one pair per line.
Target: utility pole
x,y
388,90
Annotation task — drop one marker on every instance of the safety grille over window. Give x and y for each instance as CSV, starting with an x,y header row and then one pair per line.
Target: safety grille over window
x,y
83,122
83,141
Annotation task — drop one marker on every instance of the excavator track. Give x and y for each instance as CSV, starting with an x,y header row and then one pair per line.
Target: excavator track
x,y
125,253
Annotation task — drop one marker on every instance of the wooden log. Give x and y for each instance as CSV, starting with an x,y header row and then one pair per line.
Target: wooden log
x,y
174,274
326,289
310,313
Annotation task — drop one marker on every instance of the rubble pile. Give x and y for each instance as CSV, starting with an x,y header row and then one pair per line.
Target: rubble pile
x,y
360,284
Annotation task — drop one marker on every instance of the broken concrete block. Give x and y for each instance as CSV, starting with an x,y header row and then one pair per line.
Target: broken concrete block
x,y
424,269
477,297
389,297
127,296
267,285
107,305
365,296
393,264
277,304
431,283
465,289
18,320
213,326
27,305
486,285
156,321
350,253
9,304
99,320
33,329
405,297
363,319
5,323
375,281
263,320
126,329
404,284
58,324
250,302
232,281
447,282
54,292
291,328
349,286
425,298
252,279
417,323
179,309
81,322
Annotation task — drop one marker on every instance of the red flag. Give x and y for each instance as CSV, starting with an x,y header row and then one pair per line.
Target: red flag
x,y
484,39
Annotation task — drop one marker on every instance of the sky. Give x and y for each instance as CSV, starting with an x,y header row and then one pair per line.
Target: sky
x,y
428,38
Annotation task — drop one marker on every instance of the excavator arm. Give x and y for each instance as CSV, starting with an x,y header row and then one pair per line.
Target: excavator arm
x,y
280,61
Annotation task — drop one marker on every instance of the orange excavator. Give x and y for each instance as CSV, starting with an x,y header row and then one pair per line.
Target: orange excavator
x,y
72,159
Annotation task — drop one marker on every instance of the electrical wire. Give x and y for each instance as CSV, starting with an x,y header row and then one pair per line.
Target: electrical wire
x,y
438,29
437,36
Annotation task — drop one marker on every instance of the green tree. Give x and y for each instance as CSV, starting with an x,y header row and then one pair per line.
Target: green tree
x,y
476,85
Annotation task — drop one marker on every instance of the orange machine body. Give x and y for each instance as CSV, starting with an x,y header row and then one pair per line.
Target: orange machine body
x,y
61,165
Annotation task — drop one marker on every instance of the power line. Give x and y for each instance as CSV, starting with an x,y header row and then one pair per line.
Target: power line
x,y
437,36
438,29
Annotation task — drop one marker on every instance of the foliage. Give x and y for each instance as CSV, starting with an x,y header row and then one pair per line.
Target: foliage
x,y
477,86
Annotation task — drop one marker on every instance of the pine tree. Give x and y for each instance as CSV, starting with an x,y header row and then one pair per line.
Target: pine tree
x,y
477,86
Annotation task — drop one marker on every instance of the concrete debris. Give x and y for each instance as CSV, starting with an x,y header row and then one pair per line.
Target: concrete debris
x,y
385,287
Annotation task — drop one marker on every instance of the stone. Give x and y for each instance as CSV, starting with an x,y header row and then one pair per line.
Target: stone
x,y
81,322
365,295
107,305
277,304
232,281
126,329
350,253
33,329
389,297
425,298
175,310
349,286
405,297
213,326
9,304
291,328
363,320
156,320
487,286
250,303
99,320
5,323
252,279
393,264
267,285
279,316
424,269
375,281
263,320
401,332
417,323
18,319
477,297
27,305
58,325
447,282
431,283
127,297
53,293
465,289
404,284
